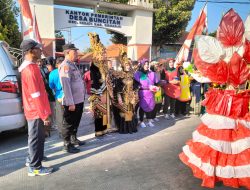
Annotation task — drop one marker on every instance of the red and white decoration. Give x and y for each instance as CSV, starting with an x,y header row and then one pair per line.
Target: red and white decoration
x,y
197,29
220,147
29,25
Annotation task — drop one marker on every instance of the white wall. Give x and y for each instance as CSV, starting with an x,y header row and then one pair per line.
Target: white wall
x,y
44,10
142,27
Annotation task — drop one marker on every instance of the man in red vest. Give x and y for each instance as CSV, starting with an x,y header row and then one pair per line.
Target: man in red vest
x,y
36,106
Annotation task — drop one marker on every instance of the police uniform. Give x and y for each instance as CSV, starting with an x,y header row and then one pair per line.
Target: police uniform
x,y
74,91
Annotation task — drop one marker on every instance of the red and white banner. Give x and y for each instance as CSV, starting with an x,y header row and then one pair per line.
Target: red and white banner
x,y
197,29
29,24
36,33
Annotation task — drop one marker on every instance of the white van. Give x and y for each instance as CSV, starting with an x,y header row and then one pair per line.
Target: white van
x,y
11,110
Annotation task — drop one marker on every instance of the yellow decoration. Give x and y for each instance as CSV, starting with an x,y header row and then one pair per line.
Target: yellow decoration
x,y
158,96
185,90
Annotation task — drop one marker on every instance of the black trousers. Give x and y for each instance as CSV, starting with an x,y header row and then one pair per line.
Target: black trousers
x,y
180,107
99,127
71,121
117,117
36,139
168,101
156,110
149,115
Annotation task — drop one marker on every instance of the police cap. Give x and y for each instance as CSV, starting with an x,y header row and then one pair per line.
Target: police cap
x,y
69,47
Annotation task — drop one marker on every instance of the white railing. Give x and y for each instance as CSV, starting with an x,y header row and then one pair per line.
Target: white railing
x,y
17,55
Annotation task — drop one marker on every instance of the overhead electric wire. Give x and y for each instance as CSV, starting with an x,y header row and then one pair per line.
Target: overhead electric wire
x,y
226,2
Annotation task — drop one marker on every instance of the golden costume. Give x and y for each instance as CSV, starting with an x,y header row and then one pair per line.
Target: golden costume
x,y
124,95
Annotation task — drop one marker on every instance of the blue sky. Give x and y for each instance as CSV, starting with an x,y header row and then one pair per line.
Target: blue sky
x,y
215,11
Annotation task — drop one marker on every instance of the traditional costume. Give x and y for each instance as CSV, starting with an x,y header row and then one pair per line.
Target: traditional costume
x,y
220,148
124,94
98,98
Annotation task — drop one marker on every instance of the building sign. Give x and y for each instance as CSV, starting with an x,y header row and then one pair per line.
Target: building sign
x,y
93,19
65,18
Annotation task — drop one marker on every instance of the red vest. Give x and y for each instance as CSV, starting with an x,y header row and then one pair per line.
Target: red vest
x,y
171,90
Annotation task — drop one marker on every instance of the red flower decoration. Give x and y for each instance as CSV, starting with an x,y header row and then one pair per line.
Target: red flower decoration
x,y
231,29
216,72
246,55
238,71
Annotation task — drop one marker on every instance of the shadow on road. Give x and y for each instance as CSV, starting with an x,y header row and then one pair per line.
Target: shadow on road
x,y
13,145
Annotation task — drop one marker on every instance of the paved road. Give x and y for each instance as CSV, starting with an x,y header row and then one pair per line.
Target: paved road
x,y
142,161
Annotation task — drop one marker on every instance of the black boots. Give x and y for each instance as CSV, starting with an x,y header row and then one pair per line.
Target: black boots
x,y
70,148
75,141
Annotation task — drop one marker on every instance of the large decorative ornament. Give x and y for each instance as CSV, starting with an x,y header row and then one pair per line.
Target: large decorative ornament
x,y
224,60
220,146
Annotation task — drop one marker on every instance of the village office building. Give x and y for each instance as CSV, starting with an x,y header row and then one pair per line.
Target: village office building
x,y
136,25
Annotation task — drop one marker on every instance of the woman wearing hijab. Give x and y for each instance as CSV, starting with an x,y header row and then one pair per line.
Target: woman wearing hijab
x,y
147,80
172,90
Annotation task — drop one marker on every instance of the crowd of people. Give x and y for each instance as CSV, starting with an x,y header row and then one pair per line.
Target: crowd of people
x,y
122,100
54,92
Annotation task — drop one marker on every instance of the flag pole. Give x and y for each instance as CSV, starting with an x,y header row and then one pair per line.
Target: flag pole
x,y
34,22
189,32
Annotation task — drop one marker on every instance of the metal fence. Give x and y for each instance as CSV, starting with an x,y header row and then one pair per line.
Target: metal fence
x,y
17,55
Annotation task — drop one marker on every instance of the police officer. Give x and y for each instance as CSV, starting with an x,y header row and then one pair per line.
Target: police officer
x,y
73,98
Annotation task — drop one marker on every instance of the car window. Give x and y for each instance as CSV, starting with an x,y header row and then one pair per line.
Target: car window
x,y
2,68
6,66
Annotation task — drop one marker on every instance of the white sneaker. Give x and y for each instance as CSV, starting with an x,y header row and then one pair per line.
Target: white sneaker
x,y
143,125
156,119
172,115
151,120
166,116
150,124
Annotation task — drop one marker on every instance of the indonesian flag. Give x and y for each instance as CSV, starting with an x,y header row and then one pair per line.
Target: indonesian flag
x,y
36,33
30,28
197,29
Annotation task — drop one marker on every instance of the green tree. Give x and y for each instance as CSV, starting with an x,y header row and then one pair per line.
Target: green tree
x,y
117,38
9,30
169,21
213,34
3,32
58,34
